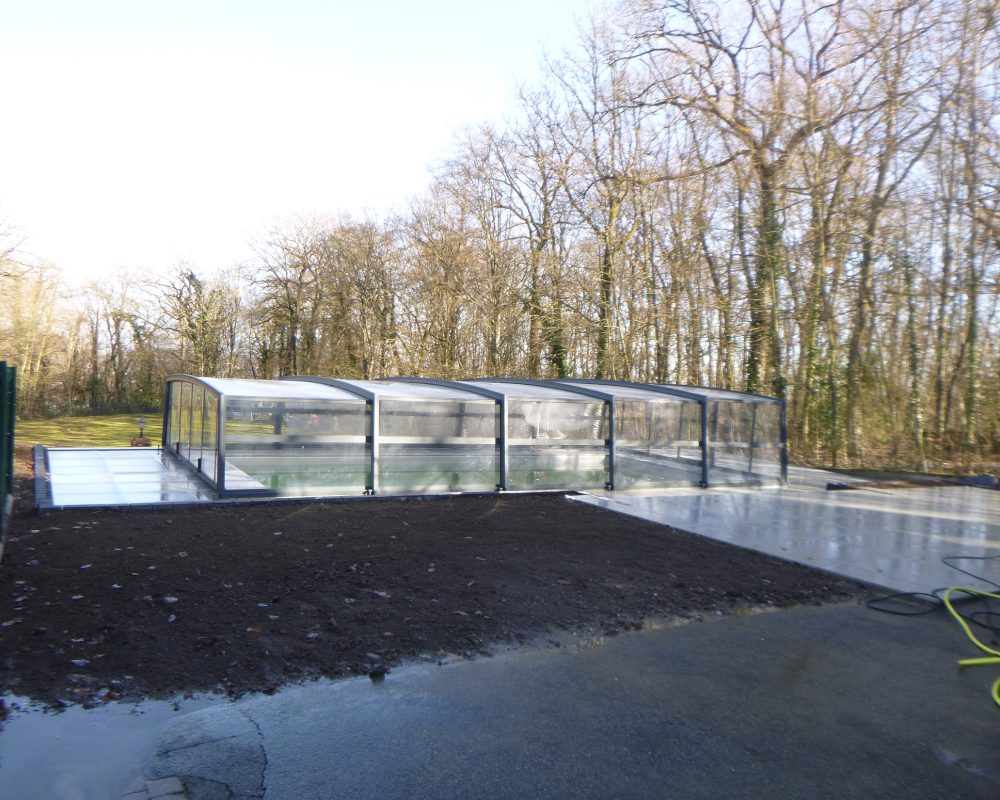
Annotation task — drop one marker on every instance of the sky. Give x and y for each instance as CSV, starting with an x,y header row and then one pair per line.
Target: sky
x,y
141,133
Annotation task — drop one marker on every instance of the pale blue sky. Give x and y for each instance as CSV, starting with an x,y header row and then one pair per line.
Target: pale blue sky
x,y
139,133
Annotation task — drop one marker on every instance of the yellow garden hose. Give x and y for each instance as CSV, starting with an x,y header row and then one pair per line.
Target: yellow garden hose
x,y
994,655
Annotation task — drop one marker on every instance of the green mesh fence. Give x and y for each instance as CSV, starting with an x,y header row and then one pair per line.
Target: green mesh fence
x,y
8,405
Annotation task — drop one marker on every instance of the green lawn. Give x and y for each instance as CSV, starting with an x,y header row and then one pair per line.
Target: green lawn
x,y
114,430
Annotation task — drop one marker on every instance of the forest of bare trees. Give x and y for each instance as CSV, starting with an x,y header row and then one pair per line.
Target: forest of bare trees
x,y
796,198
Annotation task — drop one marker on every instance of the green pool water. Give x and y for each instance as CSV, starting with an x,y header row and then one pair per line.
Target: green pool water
x,y
430,470
420,472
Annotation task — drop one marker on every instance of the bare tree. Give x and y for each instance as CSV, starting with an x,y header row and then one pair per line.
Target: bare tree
x,y
768,76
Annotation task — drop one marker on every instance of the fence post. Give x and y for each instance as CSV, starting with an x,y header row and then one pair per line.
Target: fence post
x,y
11,414
8,409
4,491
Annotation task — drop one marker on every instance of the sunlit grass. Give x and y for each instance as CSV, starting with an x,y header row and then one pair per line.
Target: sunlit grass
x,y
113,430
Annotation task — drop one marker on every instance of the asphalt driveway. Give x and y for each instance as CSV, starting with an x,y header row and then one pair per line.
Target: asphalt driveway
x,y
818,702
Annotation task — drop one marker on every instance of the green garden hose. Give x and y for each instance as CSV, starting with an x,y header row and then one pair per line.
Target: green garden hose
x,y
994,655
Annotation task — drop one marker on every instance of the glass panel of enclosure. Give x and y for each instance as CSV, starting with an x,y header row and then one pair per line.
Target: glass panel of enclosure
x,y
658,441
296,447
744,441
657,435
554,444
197,423
432,444
767,444
191,425
209,453
174,417
184,429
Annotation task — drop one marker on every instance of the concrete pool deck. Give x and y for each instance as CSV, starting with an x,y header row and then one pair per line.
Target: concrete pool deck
x,y
76,477
891,538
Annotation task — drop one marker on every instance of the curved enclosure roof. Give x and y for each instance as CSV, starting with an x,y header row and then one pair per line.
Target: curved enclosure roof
x,y
402,389
270,390
723,394
416,390
629,391
528,389
299,387
624,388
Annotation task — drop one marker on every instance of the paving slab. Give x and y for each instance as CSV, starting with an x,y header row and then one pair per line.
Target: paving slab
x,y
829,702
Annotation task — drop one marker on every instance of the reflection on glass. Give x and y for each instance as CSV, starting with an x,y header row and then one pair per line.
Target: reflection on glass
x,y
744,441
174,415
295,447
658,442
557,444
209,433
184,428
438,445
197,425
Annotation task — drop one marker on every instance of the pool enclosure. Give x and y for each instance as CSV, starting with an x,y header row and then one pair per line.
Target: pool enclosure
x,y
322,437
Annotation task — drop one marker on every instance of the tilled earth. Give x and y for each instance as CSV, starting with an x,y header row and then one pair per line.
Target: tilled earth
x,y
120,604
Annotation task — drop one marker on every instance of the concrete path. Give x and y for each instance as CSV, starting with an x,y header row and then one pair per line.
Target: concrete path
x,y
830,702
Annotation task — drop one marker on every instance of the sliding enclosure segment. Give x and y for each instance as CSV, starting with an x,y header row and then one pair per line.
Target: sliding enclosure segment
x,y
500,401
658,436
278,439
746,438
191,426
728,437
556,438
436,438
429,437
296,447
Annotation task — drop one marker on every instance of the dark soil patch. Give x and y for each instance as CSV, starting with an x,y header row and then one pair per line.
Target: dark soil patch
x,y
111,604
